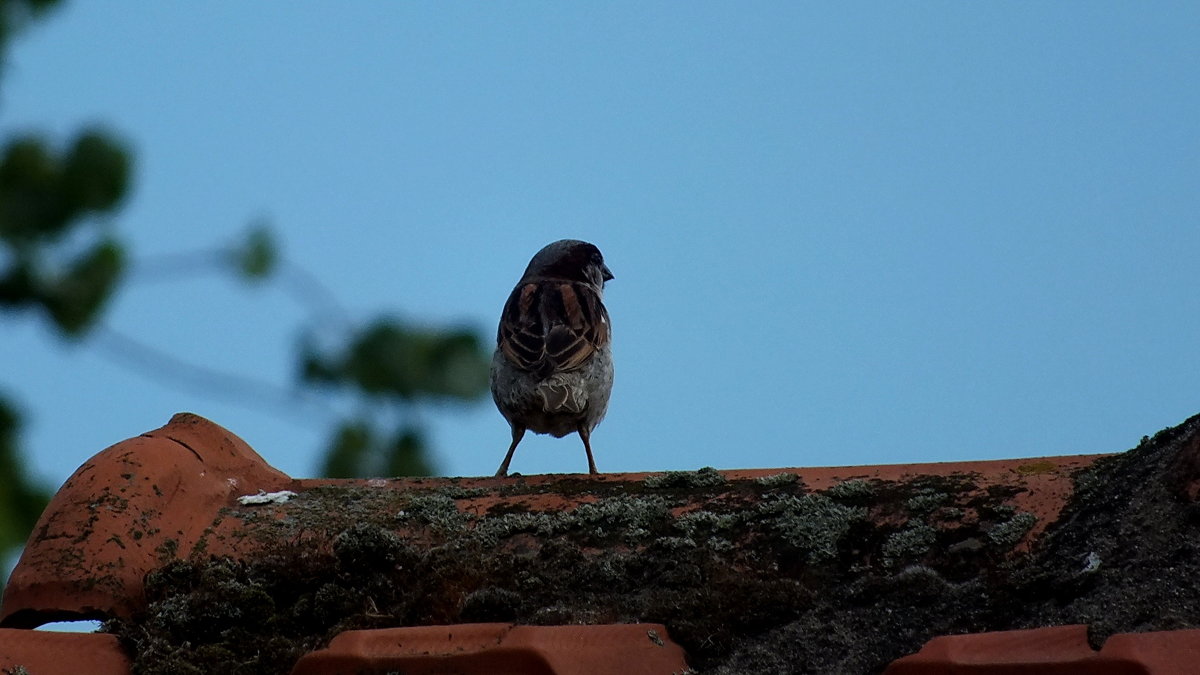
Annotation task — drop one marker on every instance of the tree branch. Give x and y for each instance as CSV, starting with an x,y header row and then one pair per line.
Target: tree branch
x,y
166,368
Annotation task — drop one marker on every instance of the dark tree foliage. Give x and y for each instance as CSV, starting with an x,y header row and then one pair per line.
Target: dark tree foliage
x,y
46,195
20,500
390,363
61,259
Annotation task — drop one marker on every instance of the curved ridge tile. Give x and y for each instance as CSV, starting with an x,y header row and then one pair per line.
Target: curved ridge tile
x,y
126,511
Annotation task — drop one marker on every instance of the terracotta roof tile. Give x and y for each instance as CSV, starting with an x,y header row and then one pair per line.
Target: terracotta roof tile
x,y
1058,650
123,513
500,649
47,653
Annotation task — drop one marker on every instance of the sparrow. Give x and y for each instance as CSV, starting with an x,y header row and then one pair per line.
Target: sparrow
x,y
552,371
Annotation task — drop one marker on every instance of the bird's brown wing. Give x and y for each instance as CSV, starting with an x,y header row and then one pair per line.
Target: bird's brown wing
x,y
552,326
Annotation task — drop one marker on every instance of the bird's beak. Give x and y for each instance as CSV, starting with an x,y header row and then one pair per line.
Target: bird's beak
x,y
606,273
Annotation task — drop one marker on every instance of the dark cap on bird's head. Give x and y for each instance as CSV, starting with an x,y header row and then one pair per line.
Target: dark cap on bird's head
x,y
569,259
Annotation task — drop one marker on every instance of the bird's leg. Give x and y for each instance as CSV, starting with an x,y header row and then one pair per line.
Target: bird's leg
x,y
586,434
518,432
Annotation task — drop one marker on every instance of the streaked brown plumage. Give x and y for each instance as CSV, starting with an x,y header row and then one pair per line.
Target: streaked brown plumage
x,y
552,370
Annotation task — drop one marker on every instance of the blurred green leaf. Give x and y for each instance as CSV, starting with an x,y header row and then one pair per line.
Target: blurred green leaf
x,y
389,359
459,366
407,456
75,299
95,173
386,359
14,14
30,207
357,451
42,195
346,454
314,367
17,286
258,255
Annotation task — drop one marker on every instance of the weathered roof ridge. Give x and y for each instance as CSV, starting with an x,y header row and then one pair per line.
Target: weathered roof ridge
x,y
171,535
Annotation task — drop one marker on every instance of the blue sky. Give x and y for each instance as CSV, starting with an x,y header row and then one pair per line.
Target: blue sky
x,y
848,233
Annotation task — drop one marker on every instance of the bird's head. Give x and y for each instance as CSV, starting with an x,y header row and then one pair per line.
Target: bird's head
x,y
569,259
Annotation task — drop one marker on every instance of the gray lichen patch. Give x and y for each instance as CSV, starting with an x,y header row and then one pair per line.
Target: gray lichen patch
x,y
855,489
436,510
777,479
812,525
911,542
1010,532
706,477
926,501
